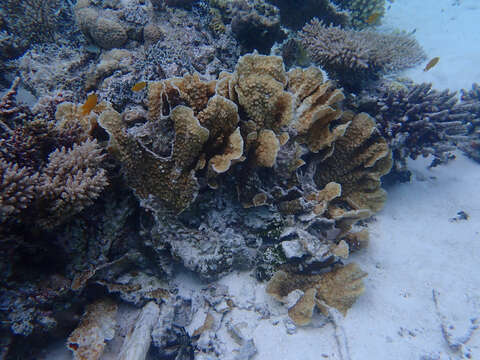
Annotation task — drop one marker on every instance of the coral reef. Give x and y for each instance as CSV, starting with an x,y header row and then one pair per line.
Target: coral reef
x,y
295,14
249,129
256,25
356,57
470,101
31,21
417,120
363,13
50,68
48,173
339,288
104,32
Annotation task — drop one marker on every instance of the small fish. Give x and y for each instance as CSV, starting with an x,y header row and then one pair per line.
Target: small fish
x,y
431,63
89,104
373,18
139,86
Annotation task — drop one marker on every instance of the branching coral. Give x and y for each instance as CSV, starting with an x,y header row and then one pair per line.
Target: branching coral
x,y
354,57
253,129
417,120
471,103
32,21
48,173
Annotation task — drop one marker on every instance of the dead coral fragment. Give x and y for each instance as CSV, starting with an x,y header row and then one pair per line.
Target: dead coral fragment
x,y
98,322
339,288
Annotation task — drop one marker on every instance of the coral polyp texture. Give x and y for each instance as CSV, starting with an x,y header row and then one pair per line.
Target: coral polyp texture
x,y
48,172
470,100
356,57
417,120
280,138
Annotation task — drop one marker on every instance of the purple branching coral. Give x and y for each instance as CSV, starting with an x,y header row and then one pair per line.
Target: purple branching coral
x,y
355,57
417,120
471,101
47,173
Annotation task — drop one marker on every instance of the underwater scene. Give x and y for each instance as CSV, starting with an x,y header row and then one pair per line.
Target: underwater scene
x,y
239,179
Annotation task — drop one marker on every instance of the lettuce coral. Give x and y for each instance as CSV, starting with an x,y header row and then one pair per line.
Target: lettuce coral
x,y
279,139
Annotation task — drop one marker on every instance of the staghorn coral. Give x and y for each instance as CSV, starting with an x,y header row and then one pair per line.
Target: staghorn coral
x,y
69,182
470,101
416,120
17,189
49,172
356,57
243,141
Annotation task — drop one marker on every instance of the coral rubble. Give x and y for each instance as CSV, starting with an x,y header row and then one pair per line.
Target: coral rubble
x,y
356,57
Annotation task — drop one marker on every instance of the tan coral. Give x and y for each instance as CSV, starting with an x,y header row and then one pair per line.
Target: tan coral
x,y
69,114
259,82
339,288
163,96
234,150
301,313
87,341
195,92
267,148
316,107
358,161
168,179
220,117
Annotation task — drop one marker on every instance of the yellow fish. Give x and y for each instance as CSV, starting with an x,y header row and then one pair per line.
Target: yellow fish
x,y
89,104
139,86
373,18
431,63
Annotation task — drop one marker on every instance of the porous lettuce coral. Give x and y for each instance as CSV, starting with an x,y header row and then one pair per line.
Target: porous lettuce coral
x,y
279,139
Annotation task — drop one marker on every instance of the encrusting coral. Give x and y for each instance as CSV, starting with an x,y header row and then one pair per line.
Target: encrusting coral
x,y
254,128
356,57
